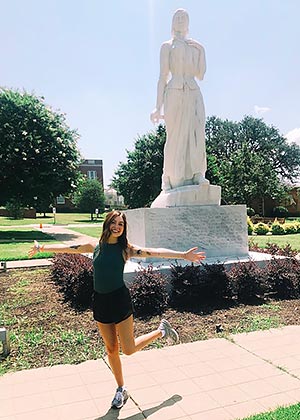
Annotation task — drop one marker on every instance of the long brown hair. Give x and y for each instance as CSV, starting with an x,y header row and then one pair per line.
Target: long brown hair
x,y
122,240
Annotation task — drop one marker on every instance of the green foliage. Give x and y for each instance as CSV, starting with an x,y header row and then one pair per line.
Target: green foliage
x,y
14,208
250,226
139,178
250,211
277,229
252,158
261,228
280,211
90,196
148,292
38,151
290,228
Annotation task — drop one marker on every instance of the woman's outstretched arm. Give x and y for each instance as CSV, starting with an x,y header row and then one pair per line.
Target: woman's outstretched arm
x,y
190,254
61,248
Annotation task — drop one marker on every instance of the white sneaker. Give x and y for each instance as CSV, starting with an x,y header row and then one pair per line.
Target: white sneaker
x,y
168,331
120,398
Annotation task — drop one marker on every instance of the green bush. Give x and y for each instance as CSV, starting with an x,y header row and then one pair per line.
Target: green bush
x,y
250,226
250,211
261,228
277,229
280,211
149,292
290,228
14,208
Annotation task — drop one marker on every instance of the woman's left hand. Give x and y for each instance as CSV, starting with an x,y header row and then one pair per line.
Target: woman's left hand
x,y
193,256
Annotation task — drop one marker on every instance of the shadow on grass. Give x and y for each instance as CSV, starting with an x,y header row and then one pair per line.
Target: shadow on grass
x,y
113,414
23,236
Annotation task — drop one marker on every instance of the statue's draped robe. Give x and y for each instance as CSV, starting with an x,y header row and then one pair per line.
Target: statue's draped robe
x,y
184,113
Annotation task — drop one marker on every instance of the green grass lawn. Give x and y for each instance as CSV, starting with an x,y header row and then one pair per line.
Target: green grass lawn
x,y
94,231
281,240
16,242
282,413
60,218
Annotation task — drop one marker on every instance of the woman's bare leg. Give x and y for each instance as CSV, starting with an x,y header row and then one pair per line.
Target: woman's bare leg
x,y
128,343
109,335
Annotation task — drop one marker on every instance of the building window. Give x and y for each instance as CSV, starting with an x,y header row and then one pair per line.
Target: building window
x,y
60,200
91,162
92,174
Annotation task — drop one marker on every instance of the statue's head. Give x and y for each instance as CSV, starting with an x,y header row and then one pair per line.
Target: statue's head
x,y
180,22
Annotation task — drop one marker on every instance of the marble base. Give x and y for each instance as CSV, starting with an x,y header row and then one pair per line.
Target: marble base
x,y
189,195
220,231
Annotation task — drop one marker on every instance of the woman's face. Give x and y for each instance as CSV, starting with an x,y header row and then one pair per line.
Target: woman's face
x,y
180,22
116,227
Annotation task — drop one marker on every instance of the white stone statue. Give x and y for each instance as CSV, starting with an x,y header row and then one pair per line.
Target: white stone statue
x,y
180,104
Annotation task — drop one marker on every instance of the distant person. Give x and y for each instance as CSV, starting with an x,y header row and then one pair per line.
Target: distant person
x,y
112,307
178,94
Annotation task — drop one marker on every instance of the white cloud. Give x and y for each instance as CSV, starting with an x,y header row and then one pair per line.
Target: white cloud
x,y
293,136
260,110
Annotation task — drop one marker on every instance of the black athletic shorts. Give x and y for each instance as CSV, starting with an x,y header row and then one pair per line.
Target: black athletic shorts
x,y
113,307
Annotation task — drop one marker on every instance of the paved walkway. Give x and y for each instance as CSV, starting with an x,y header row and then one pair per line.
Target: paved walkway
x,y
216,379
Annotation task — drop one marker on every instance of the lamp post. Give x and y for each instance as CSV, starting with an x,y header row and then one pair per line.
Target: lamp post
x,y
54,213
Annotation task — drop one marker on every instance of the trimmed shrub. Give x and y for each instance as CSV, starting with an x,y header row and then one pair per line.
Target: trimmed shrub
x,y
280,211
73,273
149,292
277,229
195,284
250,211
297,225
250,226
14,208
247,281
261,228
290,228
283,277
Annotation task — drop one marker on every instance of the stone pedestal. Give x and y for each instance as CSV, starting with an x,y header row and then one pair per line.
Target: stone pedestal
x,y
220,231
189,195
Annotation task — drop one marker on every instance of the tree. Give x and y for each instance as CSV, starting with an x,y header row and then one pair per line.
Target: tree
x,y
248,159
90,196
139,178
38,152
254,160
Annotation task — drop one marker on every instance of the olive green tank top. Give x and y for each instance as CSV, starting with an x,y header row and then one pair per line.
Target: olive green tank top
x,y
108,268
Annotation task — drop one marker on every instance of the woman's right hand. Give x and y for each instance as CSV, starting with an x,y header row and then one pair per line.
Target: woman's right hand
x,y
34,249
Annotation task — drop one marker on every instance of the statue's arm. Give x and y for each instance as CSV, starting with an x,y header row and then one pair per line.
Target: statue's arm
x,y
201,68
162,82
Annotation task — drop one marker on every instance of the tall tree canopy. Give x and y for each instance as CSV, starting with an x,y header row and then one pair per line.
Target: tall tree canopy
x,y
139,178
38,152
253,159
248,159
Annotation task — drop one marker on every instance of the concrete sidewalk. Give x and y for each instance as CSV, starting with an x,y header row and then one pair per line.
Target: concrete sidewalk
x,y
216,379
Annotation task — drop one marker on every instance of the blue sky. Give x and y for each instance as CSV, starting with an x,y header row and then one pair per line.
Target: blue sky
x,y
98,62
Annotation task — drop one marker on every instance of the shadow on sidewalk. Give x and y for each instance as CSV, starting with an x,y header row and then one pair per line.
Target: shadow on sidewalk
x,y
113,414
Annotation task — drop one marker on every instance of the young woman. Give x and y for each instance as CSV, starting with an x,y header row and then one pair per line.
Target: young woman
x,y
112,307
